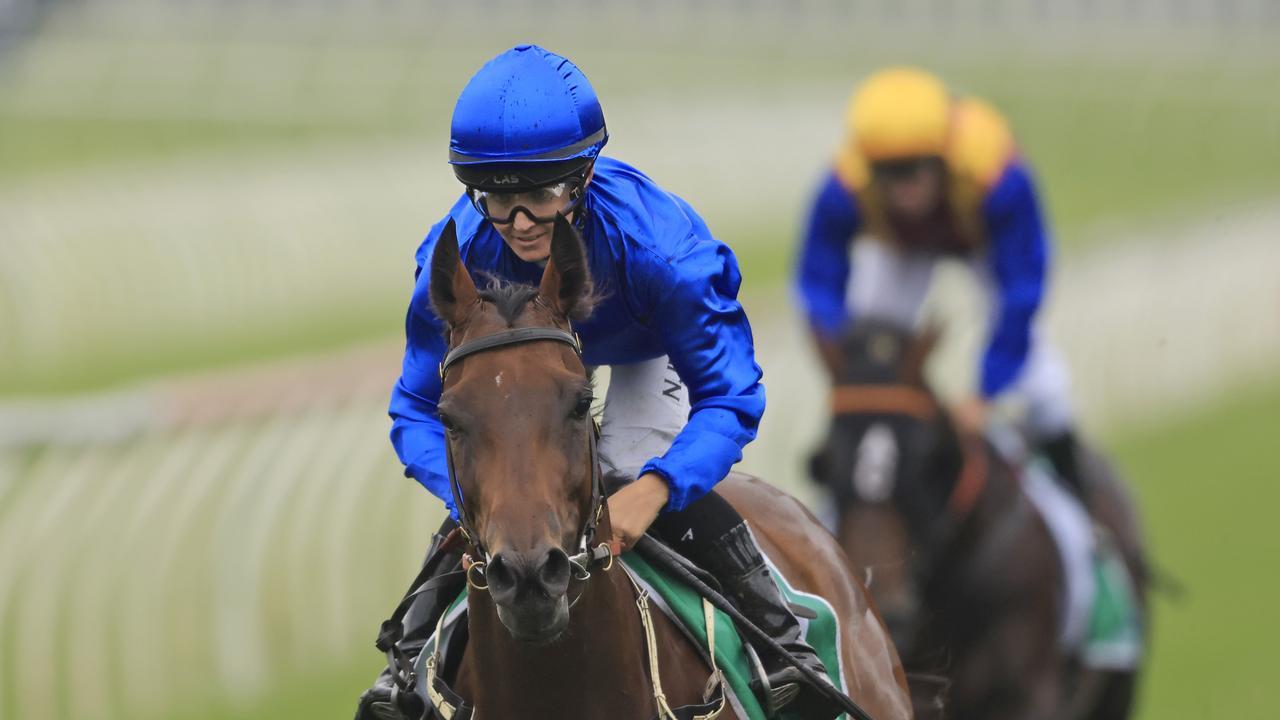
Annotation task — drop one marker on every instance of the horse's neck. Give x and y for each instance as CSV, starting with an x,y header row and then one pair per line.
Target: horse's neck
x,y
996,512
594,670
997,496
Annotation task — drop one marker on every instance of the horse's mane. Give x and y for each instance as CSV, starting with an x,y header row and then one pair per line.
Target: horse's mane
x,y
508,297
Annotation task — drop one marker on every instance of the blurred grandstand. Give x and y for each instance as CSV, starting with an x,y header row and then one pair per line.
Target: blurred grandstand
x,y
207,217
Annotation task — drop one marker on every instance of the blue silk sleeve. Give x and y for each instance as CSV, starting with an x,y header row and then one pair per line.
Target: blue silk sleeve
x,y
1019,256
822,273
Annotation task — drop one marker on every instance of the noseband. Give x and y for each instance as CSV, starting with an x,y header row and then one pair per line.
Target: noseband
x,y
586,554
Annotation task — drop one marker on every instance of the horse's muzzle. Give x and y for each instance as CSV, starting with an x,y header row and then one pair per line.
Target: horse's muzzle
x,y
531,592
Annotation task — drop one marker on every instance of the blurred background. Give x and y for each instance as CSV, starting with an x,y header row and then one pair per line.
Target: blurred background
x,y
208,215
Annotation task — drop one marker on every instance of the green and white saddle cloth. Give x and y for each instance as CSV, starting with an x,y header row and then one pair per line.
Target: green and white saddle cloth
x,y
684,607
686,610
1102,620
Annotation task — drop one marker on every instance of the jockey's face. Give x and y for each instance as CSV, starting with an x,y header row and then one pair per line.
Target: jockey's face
x,y
912,188
529,239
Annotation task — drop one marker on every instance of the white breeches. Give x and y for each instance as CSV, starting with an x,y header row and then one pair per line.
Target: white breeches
x,y
890,284
646,406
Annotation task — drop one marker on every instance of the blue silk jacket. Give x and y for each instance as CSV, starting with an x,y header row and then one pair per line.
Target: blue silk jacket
x,y
669,288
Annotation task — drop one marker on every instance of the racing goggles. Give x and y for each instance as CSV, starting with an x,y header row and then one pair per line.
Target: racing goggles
x,y
905,169
540,204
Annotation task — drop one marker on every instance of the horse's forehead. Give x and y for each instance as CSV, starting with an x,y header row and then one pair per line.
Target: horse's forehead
x,y
522,371
518,371
487,320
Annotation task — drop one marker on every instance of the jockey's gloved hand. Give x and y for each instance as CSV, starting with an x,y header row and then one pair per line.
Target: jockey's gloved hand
x,y
971,414
634,508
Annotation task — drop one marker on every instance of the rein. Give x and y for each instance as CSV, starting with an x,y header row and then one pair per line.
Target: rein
x,y
973,477
891,400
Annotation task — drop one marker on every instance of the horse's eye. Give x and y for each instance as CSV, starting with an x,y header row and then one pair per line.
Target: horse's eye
x,y
582,408
449,424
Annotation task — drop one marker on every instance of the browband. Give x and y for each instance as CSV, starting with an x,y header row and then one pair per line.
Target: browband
x,y
508,337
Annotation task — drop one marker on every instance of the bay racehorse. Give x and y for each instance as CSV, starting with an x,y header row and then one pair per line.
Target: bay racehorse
x,y
960,563
557,632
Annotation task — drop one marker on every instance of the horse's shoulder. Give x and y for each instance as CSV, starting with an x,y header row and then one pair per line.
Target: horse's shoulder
x,y
772,511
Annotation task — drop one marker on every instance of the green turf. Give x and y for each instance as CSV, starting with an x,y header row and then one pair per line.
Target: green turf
x,y
1113,131
323,694
41,145
1117,141
345,326
1207,489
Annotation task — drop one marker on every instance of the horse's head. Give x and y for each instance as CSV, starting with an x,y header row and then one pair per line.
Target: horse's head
x,y
880,461
519,429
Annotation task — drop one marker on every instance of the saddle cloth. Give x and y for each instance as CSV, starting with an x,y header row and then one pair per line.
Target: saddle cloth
x,y
683,606
1101,620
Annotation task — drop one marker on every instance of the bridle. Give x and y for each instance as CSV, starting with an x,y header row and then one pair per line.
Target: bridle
x,y
908,401
913,402
587,554
903,400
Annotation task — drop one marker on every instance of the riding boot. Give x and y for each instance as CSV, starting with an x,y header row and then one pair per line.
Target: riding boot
x,y
738,564
380,702
1063,452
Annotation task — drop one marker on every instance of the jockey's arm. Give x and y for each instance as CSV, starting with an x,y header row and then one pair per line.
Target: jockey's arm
x,y
416,431
708,340
1018,259
823,268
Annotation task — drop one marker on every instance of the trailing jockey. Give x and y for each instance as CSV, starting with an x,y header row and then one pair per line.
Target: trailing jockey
x,y
684,394
924,174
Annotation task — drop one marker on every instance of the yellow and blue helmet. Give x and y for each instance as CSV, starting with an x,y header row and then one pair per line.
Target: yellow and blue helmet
x,y
899,113
528,118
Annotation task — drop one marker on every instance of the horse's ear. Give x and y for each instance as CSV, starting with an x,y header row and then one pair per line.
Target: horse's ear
x,y
566,282
451,285
917,355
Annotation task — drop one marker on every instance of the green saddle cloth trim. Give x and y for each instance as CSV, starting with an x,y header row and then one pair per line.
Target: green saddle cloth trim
x,y
822,632
1115,636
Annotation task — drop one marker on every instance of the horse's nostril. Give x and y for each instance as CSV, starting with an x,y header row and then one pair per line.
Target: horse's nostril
x,y
554,573
499,576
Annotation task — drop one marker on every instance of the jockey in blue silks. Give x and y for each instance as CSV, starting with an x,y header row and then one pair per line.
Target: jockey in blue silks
x,y
684,393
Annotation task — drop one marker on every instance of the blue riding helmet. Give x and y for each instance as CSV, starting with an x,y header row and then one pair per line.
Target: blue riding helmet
x,y
527,119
